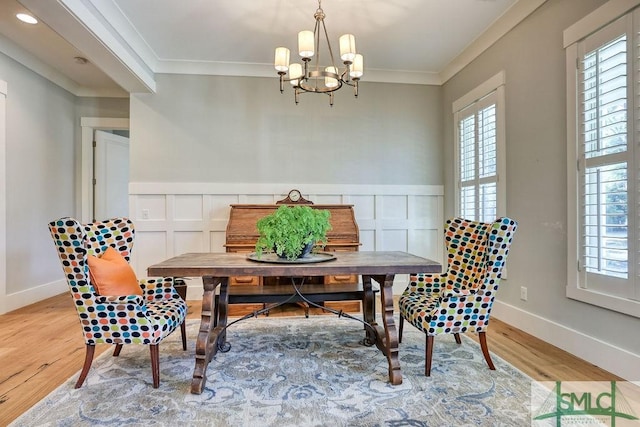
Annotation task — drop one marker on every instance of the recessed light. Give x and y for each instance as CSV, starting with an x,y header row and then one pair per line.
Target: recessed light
x,y
25,17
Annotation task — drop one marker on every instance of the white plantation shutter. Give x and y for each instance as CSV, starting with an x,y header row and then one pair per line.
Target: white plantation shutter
x,y
467,161
487,163
605,234
477,156
603,120
607,205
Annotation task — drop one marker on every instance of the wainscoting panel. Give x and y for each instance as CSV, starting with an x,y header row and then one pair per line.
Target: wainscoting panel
x,y
174,218
149,247
188,207
152,206
189,241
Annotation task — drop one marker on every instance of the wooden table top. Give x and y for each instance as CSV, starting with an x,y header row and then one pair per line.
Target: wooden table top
x,y
237,264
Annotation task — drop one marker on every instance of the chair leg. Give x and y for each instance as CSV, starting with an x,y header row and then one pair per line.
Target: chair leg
x,y
306,309
116,351
485,350
427,355
457,337
88,358
155,364
183,332
400,328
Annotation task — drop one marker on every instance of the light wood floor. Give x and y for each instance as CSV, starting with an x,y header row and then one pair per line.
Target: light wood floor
x,y
41,347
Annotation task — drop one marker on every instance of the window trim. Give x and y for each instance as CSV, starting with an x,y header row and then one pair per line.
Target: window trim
x,y
614,10
494,84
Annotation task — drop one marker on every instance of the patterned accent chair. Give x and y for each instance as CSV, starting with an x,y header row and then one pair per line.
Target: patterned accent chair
x,y
460,299
128,319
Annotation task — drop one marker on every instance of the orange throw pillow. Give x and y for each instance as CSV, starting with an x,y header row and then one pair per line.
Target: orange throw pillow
x,y
112,275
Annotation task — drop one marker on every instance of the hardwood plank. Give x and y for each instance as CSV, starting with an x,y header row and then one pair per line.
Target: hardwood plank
x,y
538,359
41,346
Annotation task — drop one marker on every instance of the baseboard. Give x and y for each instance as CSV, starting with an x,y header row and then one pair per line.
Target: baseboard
x,y
602,354
32,295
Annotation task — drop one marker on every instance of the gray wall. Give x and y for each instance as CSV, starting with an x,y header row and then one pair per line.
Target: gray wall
x,y
42,142
533,59
241,129
39,168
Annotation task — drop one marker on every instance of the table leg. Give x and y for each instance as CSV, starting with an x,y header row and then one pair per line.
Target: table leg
x,y
368,308
389,346
206,343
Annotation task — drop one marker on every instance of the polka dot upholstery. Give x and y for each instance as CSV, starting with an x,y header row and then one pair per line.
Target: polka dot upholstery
x,y
460,299
126,319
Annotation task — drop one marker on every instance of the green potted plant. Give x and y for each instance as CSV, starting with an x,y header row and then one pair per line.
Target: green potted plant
x,y
292,231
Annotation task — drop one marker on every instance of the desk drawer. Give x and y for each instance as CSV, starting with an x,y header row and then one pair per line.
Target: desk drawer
x,y
244,280
341,278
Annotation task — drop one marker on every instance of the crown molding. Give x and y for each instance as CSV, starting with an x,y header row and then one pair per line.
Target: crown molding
x,y
501,26
80,21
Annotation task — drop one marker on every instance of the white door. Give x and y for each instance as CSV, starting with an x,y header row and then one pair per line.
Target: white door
x,y
111,174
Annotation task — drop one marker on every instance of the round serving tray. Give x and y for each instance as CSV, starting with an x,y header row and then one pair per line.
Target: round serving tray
x,y
275,259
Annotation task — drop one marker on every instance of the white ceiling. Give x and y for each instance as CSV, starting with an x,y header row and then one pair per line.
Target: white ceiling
x,y
128,41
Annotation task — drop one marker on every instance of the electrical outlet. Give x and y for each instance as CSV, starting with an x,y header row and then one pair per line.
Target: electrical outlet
x,y
523,293
145,213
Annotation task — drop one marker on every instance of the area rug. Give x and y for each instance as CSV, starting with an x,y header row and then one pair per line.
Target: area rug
x,y
293,371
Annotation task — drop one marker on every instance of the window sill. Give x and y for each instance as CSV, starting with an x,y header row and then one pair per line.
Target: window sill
x,y
621,305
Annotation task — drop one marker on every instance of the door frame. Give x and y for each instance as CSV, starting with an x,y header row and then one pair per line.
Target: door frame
x,y
3,197
88,126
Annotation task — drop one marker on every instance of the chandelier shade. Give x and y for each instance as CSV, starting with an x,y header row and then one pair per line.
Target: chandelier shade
x,y
347,47
306,43
357,68
295,72
317,78
282,59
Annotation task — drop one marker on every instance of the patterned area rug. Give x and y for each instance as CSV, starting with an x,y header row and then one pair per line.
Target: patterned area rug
x,y
293,372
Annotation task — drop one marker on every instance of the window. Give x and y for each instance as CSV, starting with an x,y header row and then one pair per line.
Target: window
x,y
480,153
603,155
603,203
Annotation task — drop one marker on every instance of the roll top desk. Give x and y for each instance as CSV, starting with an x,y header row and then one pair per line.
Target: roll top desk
x,y
242,234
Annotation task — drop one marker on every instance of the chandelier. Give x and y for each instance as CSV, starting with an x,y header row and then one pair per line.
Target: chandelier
x,y
316,78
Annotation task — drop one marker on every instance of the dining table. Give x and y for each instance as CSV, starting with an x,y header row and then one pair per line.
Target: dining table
x,y
215,269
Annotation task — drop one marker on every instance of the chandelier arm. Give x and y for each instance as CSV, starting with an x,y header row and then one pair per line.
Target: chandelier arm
x,y
352,83
316,33
305,75
326,35
345,73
